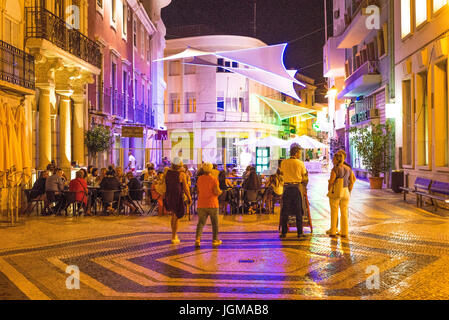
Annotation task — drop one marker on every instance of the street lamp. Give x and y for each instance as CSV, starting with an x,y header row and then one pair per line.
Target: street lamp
x,y
332,92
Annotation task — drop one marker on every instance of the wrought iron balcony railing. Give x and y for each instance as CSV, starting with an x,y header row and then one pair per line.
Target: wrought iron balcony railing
x,y
16,66
41,23
139,114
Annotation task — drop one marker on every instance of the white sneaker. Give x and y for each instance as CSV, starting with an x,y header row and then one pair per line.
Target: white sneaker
x,y
217,242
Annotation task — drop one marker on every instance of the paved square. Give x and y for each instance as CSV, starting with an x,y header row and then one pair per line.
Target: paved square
x,y
132,257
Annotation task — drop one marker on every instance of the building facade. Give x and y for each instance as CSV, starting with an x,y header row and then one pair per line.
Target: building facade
x,y
421,85
128,91
209,109
358,65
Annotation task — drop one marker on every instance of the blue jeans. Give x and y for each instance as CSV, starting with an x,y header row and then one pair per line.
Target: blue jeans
x,y
203,213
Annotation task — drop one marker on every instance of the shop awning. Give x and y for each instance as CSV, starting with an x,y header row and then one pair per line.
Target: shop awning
x,y
262,64
286,110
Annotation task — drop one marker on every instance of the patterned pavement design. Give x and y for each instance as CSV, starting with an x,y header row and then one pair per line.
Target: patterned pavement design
x,y
132,257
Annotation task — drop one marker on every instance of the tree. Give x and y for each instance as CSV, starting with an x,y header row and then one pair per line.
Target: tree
x,y
98,139
373,145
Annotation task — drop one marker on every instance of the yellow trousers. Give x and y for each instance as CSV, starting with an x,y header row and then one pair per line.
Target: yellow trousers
x,y
343,204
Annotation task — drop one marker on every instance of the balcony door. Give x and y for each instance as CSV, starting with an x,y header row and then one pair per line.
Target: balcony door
x,y
59,8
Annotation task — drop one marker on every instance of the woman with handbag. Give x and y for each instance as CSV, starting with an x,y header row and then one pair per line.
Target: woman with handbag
x,y
340,186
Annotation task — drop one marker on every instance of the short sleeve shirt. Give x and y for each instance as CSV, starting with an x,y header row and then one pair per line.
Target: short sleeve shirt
x,y
132,160
206,197
293,170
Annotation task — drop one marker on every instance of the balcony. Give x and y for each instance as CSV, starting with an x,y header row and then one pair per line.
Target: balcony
x,y
139,114
334,59
356,27
362,81
42,24
130,110
17,66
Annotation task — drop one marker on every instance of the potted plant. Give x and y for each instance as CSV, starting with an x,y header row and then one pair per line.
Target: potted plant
x,y
98,139
373,145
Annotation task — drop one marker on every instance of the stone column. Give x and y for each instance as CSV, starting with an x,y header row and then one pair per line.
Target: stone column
x,y
44,128
78,129
65,138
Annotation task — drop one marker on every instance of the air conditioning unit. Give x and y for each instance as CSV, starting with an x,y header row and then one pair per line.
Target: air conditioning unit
x,y
374,113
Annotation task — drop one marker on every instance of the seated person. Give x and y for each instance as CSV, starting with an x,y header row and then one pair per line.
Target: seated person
x,y
134,192
120,175
92,176
79,185
158,192
100,177
252,186
111,183
149,174
38,190
55,184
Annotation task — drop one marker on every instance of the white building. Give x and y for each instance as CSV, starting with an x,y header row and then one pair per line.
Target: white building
x,y
208,109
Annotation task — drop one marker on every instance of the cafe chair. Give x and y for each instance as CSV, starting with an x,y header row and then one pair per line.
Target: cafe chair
x,y
32,203
70,201
252,197
110,198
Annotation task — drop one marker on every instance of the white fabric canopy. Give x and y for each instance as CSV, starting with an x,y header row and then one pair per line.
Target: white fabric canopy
x,y
245,142
262,64
268,58
285,110
306,142
187,53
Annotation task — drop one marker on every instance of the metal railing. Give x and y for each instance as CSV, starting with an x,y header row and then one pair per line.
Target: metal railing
x,y
139,116
16,66
41,23
369,67
130,111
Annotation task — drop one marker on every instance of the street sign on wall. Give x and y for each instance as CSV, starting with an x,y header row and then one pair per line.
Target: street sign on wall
x,y
161,135
132,132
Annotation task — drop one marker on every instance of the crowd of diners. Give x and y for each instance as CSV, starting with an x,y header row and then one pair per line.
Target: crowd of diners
x,y
90,182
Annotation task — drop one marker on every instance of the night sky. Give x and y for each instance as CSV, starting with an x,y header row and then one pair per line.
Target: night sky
x,y
278,21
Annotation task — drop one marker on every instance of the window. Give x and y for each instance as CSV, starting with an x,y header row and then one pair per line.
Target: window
x,y
113,10
189,69
125,20
235,64
135,33
174,103
406,19
420,12
11,32
174,68
438,4
241,105
220,62
190,102
441,115
422,119
142,41
220,102
149,49
408,122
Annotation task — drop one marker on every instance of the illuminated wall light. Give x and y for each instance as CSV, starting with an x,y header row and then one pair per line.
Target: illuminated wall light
x,y
392,111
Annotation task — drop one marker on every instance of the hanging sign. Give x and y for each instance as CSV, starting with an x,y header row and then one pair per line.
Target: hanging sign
x,y
132,132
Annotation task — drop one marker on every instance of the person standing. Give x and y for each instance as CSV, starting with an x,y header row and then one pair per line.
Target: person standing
x,y
295,173
344,172
208,192
176,187
131,162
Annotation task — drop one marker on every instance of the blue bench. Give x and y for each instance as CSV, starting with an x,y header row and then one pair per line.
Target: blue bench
x,y
438,191
420,188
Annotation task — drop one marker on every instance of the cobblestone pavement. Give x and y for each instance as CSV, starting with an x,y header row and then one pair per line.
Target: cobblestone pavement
x,y
132,258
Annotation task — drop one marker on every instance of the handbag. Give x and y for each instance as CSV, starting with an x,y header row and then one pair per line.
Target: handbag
x,y
336,190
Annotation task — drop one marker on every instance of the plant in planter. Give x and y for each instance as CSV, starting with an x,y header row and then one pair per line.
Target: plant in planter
x,y
98,139
373,145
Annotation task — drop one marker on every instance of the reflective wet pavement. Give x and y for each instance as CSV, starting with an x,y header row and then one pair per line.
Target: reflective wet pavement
x,y
132,257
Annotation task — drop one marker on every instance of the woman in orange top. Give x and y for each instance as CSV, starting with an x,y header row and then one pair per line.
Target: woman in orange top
x,y
208,192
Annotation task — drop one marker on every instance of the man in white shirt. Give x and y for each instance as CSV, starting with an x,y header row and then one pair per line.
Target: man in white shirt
x,y
132,162
294,173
